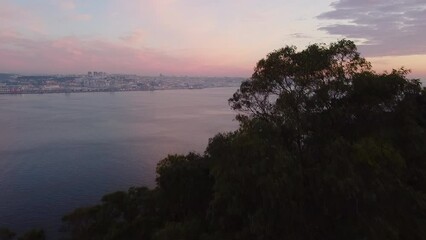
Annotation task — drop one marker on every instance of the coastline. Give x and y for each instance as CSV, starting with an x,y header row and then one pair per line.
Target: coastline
x,y
107,90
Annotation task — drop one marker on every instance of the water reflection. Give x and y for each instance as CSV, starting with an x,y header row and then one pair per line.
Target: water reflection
x,y
61,151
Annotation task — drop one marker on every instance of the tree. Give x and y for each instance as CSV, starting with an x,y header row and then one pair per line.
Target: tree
x,y
185,184
34,234
327,148
177,205
6,234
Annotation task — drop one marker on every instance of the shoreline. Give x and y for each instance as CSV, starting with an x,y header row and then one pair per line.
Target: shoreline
x,y
108,91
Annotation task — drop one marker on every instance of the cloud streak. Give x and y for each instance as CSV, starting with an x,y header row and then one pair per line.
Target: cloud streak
x,y
13,17
193,37
74,55
67,4
385,27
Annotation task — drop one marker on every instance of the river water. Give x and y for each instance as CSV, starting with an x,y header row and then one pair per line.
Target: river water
x,y
62,151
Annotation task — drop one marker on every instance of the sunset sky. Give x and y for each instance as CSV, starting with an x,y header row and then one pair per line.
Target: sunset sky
x,y
200,37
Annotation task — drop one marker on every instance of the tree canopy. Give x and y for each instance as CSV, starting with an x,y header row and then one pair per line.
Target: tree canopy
x,y
326,149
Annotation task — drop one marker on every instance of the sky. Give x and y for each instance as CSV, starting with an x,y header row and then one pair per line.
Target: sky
x,y
201,37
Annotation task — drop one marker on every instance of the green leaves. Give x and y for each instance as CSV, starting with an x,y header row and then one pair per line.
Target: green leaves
x,y
6,234
347,139
34,234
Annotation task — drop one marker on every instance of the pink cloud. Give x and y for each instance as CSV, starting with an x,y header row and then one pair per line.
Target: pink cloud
x,y
74,55
25,48
13,17
67,4
134,38
81,17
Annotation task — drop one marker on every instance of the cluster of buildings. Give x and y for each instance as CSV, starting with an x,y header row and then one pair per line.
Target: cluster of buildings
x,y
103,82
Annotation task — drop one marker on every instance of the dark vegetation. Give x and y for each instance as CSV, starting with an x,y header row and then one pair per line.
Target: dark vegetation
x,y
326,149
34,234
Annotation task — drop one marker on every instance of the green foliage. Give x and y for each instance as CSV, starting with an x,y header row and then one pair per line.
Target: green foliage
x,y
326,149
184,186
183,192
185,230
119,216
35,234
6,234
353,141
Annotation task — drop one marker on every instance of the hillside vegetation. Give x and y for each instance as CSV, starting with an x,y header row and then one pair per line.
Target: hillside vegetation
x,y
326,149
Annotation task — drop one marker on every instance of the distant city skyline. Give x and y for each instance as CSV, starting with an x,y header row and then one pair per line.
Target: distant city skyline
x,y
200,37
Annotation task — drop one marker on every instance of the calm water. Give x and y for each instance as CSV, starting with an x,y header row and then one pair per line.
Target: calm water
x,y
59,152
